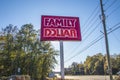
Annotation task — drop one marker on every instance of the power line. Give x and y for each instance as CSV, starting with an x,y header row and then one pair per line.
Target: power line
x,y
112,3
114,10
93,42
87,36
90,21
114,26
116,37
89,18
92,31
85,48
90,27
106,2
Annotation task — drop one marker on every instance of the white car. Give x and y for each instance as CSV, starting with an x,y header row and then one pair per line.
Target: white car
x,y
118,73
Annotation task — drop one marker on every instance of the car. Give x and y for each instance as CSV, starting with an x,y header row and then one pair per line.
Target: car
x,y
12,77
51,75
118,73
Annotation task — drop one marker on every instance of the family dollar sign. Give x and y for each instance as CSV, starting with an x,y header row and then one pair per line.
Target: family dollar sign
x,y
60,28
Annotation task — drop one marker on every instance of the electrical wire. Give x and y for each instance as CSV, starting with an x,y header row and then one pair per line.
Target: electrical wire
x,y
106,2
85,48
114,34
89,18
114,10
112,3
93,19
90,27
87,36
93,42
116,37
92,31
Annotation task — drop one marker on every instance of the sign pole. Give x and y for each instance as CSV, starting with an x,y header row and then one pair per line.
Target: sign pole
x,y
62,60
60,28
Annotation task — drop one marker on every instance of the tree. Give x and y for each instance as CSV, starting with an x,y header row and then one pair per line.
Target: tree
x,y
8,53
81,68
75,69
118,62
94,64
23,50
88,65
115,62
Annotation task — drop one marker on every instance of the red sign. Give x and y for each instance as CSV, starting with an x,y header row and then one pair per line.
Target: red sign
x,y
60,28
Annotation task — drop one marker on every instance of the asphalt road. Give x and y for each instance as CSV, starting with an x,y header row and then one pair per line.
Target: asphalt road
x,y
95,77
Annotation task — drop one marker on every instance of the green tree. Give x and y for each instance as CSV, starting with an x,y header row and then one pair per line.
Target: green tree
x,y
81,68
48,59
88,65
8,53
74,68
94,64
118,62
24,50
115,62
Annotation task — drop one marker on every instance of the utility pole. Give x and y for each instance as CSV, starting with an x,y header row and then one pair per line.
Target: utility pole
x,y
106,41
62,60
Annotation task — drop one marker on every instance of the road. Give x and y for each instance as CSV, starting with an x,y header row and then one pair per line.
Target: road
x,y
90,77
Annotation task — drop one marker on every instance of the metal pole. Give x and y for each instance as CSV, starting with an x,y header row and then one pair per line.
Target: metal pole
x,y
106,41
62,60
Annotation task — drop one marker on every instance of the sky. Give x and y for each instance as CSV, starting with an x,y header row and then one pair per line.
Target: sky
x,y
20,12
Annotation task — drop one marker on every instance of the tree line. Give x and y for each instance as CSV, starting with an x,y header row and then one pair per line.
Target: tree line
x,y
94,65
22,52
